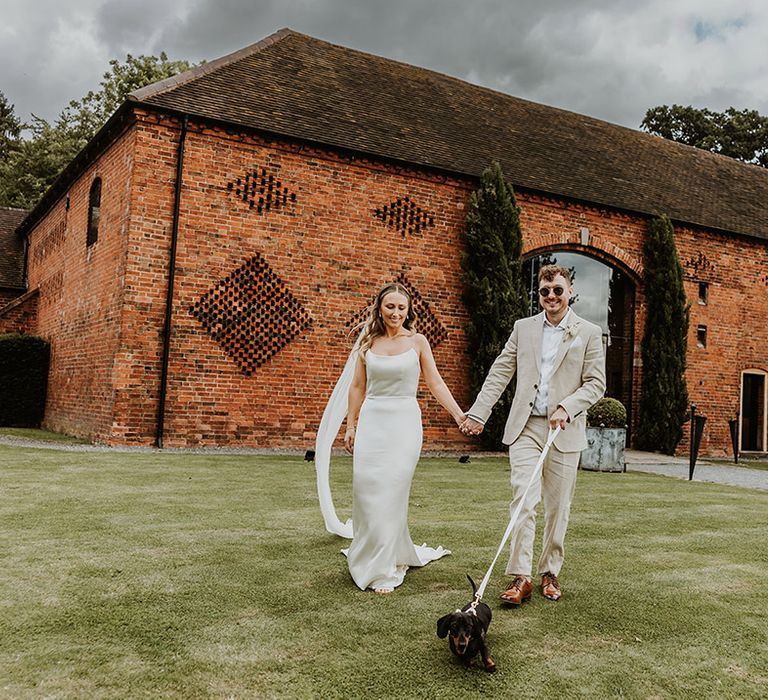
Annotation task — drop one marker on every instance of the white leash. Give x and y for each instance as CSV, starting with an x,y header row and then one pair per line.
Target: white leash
x,y
513,520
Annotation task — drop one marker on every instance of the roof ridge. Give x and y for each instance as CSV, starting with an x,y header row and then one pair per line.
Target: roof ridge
x,y
187,76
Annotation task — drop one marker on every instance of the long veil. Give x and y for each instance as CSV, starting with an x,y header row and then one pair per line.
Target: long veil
x,y
333,416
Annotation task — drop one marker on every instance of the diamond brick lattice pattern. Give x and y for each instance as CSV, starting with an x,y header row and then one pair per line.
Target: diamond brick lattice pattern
x,y
251,314
261,190
427,322
405,216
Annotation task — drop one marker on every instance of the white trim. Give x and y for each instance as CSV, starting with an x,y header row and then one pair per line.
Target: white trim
x,y
764,374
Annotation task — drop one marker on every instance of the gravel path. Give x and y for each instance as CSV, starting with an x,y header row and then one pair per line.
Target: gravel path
x,y
652,463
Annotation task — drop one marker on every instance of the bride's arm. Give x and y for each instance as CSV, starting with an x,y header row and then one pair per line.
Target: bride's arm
x,y
435,382
355,401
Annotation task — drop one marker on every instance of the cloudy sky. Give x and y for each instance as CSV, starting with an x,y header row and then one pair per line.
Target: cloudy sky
x,y
611,59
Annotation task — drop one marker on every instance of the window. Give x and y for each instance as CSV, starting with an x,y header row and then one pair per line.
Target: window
x,y
703,293
94,212
701,336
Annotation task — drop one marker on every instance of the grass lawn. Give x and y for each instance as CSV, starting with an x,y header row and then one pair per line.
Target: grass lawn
x,y
40,434
211,576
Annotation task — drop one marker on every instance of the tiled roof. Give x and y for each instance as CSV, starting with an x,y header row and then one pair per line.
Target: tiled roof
x,y
297,86
11,248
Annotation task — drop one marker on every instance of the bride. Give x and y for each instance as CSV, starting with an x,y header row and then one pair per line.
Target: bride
x,y
384,435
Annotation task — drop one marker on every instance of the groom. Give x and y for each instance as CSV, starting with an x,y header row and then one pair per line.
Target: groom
x,y
560,366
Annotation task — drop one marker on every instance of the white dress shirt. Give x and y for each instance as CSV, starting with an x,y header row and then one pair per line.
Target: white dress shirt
x,y
550,344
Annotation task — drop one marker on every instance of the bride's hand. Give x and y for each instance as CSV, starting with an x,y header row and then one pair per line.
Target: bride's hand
x,y
460,418
349,440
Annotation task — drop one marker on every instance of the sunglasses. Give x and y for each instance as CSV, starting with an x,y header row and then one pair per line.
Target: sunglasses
x,y
557,291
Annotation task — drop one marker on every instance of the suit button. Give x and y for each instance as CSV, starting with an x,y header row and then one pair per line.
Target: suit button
x,y
531,404
535,386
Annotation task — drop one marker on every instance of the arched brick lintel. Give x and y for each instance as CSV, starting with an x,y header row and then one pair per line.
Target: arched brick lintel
x,y
607,252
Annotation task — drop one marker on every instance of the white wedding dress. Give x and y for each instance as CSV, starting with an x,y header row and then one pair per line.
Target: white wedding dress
x,y
387,448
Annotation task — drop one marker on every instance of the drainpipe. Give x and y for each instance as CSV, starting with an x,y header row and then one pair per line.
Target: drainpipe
x,y
171,279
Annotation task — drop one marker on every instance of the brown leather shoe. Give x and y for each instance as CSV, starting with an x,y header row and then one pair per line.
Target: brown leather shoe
x,y
518,591
550,588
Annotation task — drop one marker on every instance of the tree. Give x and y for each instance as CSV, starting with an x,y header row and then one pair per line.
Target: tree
x,y
495,294
739,134
663,393
32,167
10,128
86,116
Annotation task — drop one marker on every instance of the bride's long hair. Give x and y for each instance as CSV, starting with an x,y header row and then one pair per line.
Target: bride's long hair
x,y
373,326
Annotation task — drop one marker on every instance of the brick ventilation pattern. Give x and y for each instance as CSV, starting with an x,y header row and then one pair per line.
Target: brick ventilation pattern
x,y
261,190
405,216
251,314
427,322
699,263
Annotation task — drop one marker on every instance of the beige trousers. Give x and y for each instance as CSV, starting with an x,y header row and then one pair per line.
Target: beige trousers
x,y
556,485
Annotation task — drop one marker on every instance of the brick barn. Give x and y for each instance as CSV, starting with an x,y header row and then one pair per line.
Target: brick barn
x,y
197,268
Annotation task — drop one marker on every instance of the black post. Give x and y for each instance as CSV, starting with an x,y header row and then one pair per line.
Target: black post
x,y
691,458
733,425
697,429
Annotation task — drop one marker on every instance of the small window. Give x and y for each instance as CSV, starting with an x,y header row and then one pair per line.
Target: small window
x,y
701,336
94,212
703,293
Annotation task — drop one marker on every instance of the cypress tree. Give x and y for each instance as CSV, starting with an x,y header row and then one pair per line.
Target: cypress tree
x,y
663,394
495,294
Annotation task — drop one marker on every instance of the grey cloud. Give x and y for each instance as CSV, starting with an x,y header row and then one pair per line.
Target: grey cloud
x,y
612,59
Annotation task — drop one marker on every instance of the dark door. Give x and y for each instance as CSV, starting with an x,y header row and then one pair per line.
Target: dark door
x,y
753,412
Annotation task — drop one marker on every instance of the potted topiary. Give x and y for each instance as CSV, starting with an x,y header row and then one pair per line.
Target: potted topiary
x,y
606,437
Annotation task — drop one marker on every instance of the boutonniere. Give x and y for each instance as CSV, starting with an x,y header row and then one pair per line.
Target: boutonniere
x,y
570,331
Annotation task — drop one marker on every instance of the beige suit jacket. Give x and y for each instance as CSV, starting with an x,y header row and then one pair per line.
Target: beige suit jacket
x,y
577,382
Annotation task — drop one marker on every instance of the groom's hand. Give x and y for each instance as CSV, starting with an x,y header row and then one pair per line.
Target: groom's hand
x,y
559,418
469,426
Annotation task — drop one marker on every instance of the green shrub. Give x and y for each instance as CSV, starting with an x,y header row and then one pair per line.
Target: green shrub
x,y
607,413
495,293
24,361
663,392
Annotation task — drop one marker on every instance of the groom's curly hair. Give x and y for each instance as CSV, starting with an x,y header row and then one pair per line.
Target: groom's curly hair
x,y
373,326
549,272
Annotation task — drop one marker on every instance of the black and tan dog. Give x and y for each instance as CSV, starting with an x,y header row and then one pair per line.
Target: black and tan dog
x,y
466,630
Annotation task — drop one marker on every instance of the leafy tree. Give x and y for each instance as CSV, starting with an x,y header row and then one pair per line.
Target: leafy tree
x,y
86,116
32,167
739,134
495,294
10,128
663,394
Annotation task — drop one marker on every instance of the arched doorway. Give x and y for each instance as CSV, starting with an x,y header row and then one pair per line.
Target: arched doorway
x,y
606,296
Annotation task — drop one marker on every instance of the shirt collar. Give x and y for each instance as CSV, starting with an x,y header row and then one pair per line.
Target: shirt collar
x,y
563,321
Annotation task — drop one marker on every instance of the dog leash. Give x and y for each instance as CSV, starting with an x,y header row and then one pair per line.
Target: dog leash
x,y
513,520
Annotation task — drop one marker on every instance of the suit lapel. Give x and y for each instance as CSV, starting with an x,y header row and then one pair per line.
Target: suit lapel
x,y
536,337
574,321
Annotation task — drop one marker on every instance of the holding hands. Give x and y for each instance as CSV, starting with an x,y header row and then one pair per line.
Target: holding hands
x,y
469,426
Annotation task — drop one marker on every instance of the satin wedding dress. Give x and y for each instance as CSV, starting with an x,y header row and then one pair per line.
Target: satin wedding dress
x,y
387,448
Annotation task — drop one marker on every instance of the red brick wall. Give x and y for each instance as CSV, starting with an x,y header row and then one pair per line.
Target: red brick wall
x,y
18,314
735,317
81,295
330,251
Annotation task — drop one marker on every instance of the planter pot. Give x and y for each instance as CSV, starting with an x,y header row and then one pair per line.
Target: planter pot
x,y
605,450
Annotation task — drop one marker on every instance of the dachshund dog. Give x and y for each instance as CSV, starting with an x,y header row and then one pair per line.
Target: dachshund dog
x,y
466,630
